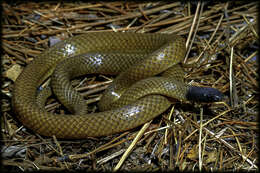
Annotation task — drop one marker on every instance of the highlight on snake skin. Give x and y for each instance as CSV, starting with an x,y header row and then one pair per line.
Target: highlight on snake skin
x,y
147,74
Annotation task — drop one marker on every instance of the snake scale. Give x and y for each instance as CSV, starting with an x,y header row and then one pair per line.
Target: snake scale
x,y
137,59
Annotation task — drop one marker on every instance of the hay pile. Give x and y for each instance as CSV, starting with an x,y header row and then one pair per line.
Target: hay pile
x,y
222,48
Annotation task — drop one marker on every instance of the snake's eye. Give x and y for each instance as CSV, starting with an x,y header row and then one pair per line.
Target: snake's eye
x,y
218,97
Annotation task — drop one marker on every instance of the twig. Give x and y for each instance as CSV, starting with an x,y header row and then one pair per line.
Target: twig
x,y
130,148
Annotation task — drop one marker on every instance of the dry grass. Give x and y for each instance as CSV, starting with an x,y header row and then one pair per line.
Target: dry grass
x,y
222,42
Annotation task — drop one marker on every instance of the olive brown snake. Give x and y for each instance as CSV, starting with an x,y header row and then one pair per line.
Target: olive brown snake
x,y
139,59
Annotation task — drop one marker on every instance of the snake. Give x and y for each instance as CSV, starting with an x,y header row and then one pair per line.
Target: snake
x,y
148,76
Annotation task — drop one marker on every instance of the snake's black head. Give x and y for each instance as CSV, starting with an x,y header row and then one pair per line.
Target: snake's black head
x,y
204,94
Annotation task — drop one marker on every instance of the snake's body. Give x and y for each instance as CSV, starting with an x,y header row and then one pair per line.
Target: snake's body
x,y
141,103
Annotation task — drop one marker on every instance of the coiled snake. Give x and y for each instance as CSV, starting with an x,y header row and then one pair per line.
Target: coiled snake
x,y
139,58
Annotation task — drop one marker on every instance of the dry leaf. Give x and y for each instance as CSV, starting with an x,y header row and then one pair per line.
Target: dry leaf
x,y
193,154
211,157
13,72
